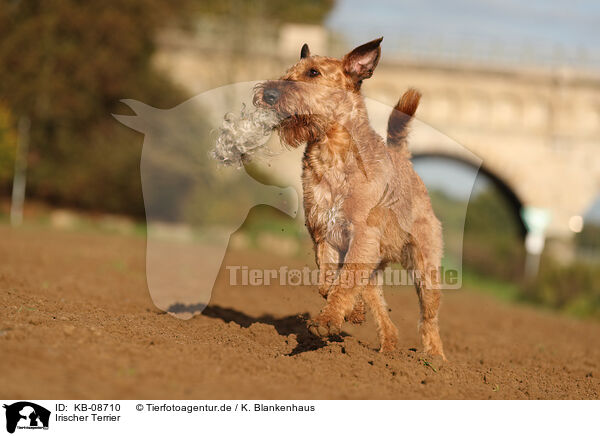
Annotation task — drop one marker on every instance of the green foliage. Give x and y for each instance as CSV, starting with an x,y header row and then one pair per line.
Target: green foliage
x,y
492,241
451,213
488,237
574,288
589,238
70,61
499,288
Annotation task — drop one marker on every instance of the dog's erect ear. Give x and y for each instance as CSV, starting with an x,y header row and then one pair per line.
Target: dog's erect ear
x,y
305,52
361,61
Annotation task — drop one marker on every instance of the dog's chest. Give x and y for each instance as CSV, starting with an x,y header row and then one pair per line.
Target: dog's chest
x,y
325,193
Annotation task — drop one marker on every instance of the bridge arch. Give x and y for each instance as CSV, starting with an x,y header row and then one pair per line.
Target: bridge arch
x,y
513,201
482,224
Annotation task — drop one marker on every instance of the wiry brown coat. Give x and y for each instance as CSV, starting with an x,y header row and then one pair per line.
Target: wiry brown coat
x,y
364,204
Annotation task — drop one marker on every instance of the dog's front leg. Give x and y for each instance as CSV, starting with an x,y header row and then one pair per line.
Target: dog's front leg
x,y
362,258
328,261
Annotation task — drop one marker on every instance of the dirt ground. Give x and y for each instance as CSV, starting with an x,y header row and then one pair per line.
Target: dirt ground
x,y
77,321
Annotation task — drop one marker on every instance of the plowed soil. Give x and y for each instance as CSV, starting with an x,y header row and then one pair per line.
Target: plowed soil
x,y
77,321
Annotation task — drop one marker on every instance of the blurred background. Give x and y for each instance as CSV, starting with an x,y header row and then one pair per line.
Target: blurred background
x,y
516,84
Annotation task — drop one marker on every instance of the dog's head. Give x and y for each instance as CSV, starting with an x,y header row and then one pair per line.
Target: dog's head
x,y
317,91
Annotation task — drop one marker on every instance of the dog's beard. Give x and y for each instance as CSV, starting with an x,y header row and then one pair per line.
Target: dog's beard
x,y
295,130
241,137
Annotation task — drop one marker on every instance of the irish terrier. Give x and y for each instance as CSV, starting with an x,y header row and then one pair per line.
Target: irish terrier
x,y
365,205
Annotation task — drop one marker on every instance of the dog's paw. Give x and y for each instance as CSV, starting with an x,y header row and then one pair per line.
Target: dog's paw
x,y
434,351
324,327
432,345
388,345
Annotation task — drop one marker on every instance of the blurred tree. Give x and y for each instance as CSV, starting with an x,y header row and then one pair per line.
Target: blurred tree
x,y
66,64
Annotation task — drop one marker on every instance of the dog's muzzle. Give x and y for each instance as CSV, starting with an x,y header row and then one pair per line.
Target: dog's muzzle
x,y
270,96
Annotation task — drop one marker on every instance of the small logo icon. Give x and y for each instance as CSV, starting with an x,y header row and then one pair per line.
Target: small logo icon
x,y
26,415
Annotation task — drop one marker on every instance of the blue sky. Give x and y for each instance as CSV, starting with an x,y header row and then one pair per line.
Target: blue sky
x,y
565,32
454,178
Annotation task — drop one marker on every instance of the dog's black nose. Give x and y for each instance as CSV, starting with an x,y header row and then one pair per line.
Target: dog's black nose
x,y
270,95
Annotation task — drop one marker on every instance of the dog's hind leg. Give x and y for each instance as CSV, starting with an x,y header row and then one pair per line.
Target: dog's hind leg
x,y
429,300
427,283
358,315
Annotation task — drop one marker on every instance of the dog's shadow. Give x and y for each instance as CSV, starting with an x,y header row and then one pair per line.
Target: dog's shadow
x,y
285,326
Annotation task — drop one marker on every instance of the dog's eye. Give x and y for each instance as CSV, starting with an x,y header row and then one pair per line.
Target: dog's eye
x,y
313,73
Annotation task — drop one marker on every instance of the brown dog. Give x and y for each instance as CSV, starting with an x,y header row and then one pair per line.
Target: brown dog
x,y
365,206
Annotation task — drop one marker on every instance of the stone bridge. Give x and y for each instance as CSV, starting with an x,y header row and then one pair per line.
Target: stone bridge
x,y
535,132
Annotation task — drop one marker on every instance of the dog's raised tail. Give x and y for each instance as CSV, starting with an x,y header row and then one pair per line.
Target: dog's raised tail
x,y
398,124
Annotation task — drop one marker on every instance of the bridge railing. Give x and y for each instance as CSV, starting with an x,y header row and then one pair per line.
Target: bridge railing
x,y
264,38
